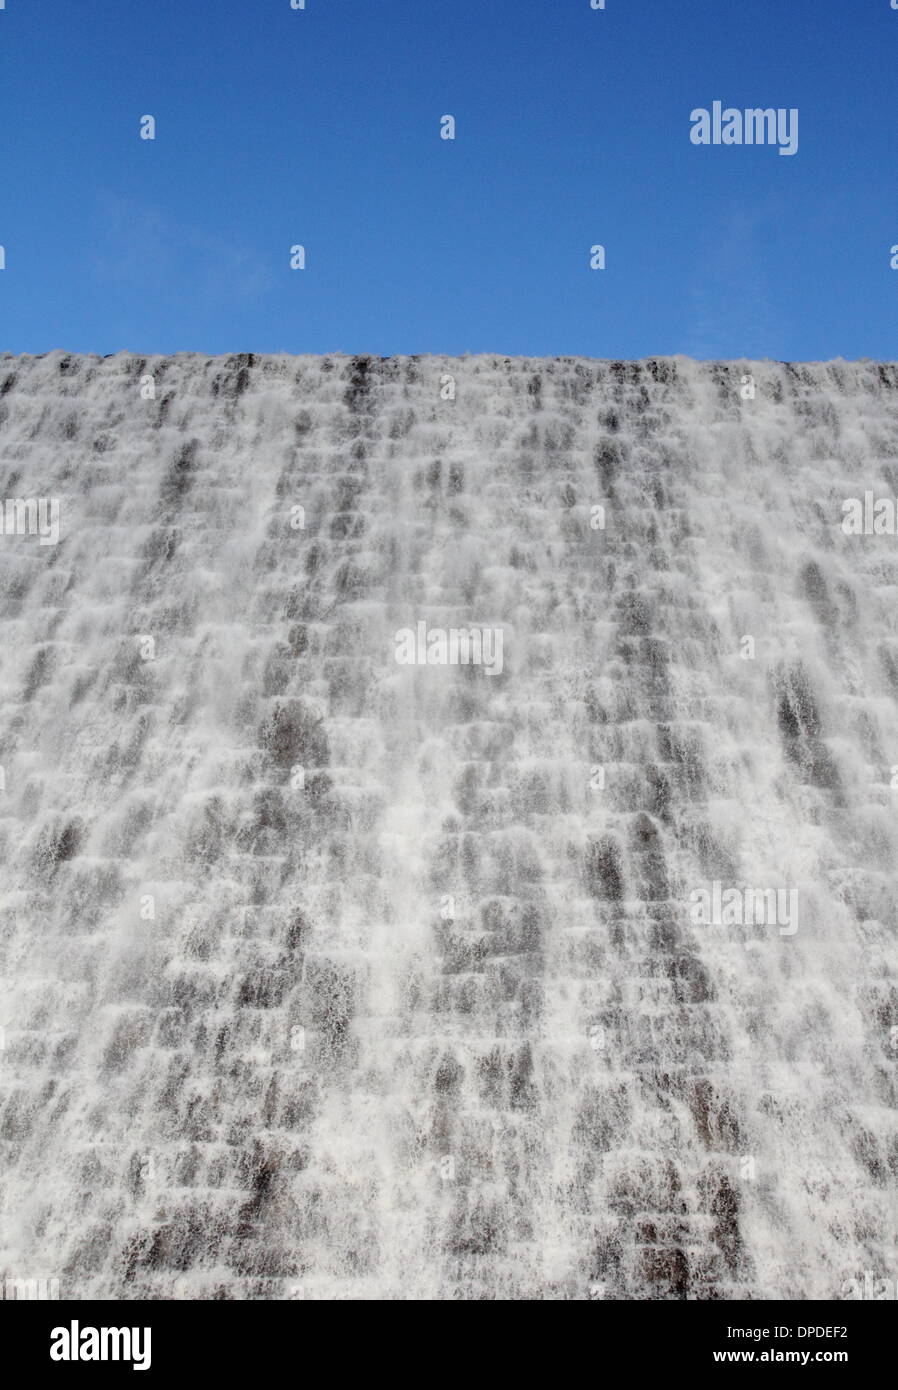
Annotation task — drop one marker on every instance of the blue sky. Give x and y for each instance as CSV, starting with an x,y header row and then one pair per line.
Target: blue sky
x,y
321,127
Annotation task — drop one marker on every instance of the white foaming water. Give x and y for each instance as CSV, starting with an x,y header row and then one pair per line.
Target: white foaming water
x,y
329,977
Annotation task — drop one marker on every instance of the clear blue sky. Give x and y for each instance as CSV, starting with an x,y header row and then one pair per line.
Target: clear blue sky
x,y
322,127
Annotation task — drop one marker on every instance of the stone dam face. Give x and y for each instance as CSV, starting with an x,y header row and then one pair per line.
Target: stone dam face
x,y
448,827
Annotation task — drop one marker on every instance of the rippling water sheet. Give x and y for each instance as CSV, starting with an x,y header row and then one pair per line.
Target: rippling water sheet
x,y
448,828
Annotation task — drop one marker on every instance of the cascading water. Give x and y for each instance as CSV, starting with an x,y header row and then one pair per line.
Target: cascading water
x,y
330,975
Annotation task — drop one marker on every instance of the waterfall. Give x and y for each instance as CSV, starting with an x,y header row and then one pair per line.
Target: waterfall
x,y
553,960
